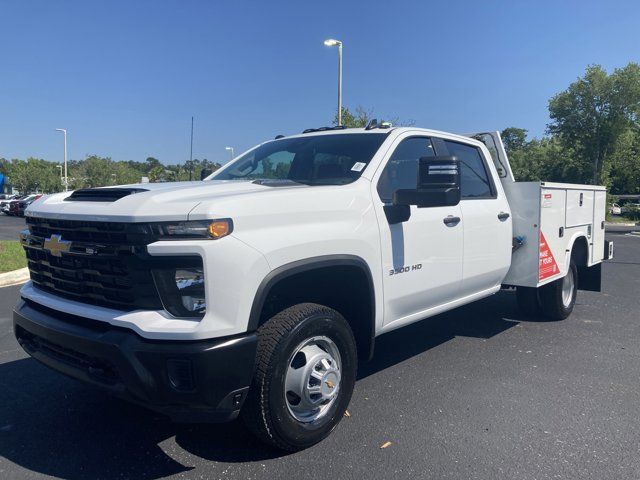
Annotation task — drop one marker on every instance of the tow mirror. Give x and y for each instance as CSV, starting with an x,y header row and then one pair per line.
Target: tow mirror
x,y
438,184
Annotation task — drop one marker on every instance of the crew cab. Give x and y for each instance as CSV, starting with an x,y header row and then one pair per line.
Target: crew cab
x,y
257,291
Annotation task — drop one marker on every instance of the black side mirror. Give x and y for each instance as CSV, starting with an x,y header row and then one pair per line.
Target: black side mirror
x,y
205,172
397,213
438,184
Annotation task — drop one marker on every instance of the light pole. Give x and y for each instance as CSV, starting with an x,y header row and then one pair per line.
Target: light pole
x,y
66,178
191,152
331,42
231,150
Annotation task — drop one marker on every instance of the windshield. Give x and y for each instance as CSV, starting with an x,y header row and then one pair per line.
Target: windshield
x,y
313,160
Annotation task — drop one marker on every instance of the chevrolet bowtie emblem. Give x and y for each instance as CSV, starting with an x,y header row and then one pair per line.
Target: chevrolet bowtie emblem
x,y
56,245
329,383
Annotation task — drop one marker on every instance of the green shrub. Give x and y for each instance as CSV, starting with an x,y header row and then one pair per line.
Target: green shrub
x,y
632,213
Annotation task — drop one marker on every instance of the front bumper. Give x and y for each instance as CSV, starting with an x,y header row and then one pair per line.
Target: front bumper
x,y
205,380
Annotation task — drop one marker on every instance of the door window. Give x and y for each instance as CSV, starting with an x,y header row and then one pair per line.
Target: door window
x,y
475,181
401,171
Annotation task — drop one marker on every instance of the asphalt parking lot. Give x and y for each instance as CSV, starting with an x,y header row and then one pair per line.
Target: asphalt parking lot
x,y
10,227
476,393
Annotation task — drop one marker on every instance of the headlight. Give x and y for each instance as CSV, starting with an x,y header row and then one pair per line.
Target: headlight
x,y
182,291
198,229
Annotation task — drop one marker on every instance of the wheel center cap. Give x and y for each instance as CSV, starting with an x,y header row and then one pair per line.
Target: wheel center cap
x,y
330,383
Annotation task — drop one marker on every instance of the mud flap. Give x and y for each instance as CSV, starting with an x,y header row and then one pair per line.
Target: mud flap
x,y
590,278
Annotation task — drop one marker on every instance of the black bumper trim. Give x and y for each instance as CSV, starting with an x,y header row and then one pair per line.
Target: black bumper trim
x,y
136,369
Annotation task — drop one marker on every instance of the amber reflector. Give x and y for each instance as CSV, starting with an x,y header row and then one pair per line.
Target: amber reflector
x,y
219,228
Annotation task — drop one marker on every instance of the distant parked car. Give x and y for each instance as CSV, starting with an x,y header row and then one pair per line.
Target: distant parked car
x,y
615,209
4,198
4,204
16,207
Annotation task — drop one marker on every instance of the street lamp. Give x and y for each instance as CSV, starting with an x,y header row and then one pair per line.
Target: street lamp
x,y
231,150
333,43
66,178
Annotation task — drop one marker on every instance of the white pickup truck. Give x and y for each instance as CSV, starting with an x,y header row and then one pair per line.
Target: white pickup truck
x,y
257,291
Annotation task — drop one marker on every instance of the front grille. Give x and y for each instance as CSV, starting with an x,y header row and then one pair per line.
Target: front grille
x,y
112,233
104,263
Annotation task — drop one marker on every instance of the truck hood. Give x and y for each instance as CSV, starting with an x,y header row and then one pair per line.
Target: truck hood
x,y
171,201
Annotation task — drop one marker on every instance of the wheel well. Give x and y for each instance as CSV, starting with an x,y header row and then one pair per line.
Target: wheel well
x,y
580,252
347,288
589,278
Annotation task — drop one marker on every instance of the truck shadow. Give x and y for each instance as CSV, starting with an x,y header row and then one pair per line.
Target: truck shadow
x,y
483,319
56,426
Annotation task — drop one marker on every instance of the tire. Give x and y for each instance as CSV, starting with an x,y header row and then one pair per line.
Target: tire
x,y
281,408
528,301
558,298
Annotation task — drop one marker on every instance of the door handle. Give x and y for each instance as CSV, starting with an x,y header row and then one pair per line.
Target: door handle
x,y
502,216
451,221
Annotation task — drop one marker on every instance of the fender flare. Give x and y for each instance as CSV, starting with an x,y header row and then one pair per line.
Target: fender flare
x,y
589,277
306,265
569,252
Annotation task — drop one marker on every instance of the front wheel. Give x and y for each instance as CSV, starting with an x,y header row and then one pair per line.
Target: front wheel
x,y
305,373
558,298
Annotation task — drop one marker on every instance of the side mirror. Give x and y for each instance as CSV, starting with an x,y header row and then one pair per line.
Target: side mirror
x,y
438,184
205,172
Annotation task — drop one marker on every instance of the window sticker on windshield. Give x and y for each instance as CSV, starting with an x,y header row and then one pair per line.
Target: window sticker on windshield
x,y
358,166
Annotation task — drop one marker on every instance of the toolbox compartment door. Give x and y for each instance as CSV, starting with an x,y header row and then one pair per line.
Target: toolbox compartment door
x,y
553,238
599,212
579,208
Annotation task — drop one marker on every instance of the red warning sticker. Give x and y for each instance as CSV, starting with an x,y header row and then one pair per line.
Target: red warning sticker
x,y
547,266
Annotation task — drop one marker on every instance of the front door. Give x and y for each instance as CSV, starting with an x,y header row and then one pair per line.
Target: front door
x,y
422,257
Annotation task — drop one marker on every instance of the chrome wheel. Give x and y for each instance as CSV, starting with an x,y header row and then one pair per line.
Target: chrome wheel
x,y
568,283
312,380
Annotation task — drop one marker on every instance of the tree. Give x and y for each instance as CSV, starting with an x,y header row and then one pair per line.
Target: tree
x,y
540,159
193,168
514,138
124,173
362,117
358,120
33,175
151,163
621,172
93,171
594,112
157,174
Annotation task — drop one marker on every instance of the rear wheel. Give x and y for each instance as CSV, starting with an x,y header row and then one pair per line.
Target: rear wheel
x,y
305,374
558,298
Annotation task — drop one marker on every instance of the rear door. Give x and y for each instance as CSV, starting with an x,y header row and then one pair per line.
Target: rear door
x,y
422,257
487,221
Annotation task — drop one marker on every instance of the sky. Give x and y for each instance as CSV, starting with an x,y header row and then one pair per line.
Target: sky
x,y
125,77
